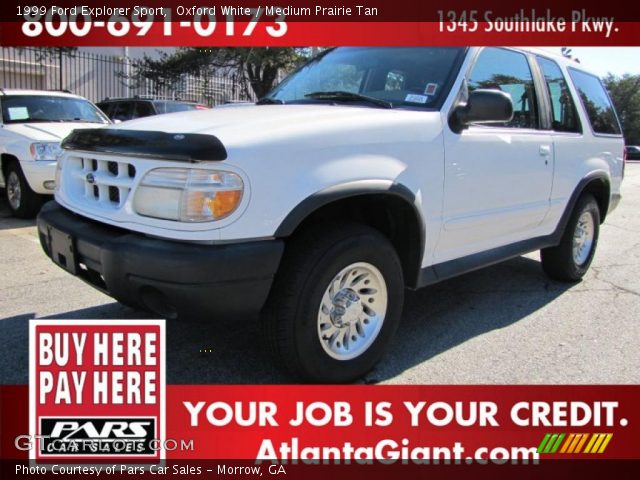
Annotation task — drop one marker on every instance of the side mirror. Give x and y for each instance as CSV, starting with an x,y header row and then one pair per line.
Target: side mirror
x,y
483,106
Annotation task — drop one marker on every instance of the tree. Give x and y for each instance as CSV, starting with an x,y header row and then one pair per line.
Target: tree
x,y
625,94
256,69
568,53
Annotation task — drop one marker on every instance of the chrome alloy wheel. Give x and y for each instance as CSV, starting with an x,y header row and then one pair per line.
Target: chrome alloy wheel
x,y
14,192
583,238
352,311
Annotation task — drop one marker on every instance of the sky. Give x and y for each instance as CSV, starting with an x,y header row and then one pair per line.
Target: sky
x,y
602,60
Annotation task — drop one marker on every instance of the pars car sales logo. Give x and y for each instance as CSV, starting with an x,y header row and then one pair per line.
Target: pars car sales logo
x,y
97,389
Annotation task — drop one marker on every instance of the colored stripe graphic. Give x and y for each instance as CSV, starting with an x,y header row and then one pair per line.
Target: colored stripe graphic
x,y
543,443
581,442
555,447
592,440
570,440
550,443
603,447
572,443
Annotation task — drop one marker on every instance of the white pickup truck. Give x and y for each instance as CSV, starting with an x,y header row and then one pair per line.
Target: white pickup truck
x,y
32,125
365,172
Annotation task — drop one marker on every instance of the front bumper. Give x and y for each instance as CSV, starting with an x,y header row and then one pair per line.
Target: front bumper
x,y
39,172
167,277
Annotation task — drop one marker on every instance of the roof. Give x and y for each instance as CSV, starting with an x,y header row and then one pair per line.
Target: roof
x,y
144,99
49,93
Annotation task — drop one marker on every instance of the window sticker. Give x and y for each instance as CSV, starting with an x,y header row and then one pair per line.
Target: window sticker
x,y
431,89
413,98
18,113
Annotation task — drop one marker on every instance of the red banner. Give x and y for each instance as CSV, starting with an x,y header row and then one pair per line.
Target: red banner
x,y
247,23
320,34
393,424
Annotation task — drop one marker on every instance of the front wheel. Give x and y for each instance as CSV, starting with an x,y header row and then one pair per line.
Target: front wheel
x,y
23,202
336,302
570,260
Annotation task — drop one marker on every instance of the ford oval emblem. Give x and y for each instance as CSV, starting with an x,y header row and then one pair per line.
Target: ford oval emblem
x,y
90,178
178,137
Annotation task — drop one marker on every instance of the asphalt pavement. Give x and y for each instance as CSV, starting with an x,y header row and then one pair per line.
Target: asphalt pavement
x,y
504,324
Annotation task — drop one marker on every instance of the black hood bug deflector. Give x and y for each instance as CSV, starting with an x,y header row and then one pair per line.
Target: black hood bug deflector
x,y
182,147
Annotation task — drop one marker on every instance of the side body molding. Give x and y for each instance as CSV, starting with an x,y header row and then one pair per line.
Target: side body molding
x,y
452,268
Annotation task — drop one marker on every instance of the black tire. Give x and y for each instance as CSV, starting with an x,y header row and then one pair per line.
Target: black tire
x,y
23,202
311,262
559,262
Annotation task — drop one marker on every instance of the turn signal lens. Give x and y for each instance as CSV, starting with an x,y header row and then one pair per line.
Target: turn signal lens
x,y
225,202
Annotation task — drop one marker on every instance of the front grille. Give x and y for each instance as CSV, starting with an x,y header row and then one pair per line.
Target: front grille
x,y
104,183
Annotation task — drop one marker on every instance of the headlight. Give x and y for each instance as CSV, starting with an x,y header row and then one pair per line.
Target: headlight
x,y
188,195
45,150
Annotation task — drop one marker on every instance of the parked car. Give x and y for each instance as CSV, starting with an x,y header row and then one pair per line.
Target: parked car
x,y
633,152
122,109
365,172
32,125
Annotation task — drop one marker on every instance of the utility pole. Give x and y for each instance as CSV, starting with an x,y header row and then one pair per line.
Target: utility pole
x,y
127,69
60,78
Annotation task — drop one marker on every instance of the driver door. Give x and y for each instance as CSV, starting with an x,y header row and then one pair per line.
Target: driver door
x,y
498,177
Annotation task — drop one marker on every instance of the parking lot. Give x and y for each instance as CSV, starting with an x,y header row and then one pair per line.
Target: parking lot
x,y
504,324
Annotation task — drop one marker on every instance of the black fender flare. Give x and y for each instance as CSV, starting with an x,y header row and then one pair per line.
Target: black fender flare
x,y
556,236
355,189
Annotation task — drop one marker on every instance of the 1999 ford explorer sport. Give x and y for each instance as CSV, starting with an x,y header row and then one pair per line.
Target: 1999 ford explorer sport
x,y
365,172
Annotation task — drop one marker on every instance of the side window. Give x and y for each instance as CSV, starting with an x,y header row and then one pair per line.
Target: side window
x,y
143,109
106,108
506,70
563,108
596,102
123,111
160,107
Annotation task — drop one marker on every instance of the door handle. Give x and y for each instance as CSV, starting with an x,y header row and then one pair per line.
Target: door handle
x,y
545,150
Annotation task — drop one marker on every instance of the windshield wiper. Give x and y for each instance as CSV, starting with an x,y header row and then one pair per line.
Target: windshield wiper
x,y
40,120
83,120
269,101
344,96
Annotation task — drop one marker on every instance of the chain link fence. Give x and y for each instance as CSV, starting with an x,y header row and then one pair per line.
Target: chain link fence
x,y
97,77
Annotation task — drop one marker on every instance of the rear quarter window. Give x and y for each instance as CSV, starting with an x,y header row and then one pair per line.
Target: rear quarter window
x,y
596,103
563,108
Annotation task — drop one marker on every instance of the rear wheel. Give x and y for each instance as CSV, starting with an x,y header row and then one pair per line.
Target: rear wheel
x,y
336,302
23,202
570,260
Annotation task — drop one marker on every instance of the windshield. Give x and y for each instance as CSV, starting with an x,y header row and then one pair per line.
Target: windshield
x,y
43,108
401,77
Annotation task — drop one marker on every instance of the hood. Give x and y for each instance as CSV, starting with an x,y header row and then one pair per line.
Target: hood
x,y
273,124
47,132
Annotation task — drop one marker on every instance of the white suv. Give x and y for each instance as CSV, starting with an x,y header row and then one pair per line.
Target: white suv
x,y
32,124
366,171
